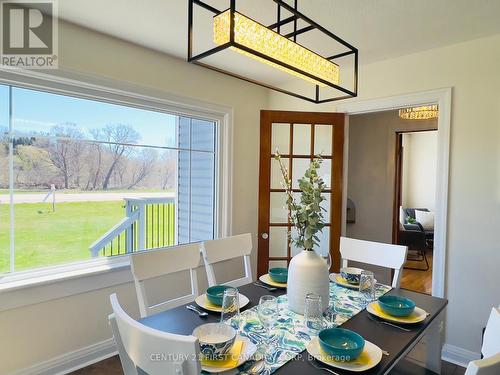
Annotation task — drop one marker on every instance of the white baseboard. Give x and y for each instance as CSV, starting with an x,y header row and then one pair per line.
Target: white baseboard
x,y
458,356
72,361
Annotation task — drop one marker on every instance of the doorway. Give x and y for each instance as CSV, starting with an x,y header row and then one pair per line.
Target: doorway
x,y
414,205
298,137
443,98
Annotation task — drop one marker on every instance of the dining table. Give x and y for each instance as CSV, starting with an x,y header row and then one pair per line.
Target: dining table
x,y
395,342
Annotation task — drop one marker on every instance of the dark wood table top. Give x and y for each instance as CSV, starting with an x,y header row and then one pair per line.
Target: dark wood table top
x,y
182,321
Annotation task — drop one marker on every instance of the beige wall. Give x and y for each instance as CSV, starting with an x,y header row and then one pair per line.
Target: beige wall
x,y
43,331
473,252
370,181
419,170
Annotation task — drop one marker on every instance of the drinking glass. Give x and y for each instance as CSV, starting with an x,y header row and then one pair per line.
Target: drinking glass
x,y
330,314
268,315
313,313
367,287
231,308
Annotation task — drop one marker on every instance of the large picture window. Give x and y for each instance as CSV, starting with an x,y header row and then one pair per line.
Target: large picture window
x,y
81,179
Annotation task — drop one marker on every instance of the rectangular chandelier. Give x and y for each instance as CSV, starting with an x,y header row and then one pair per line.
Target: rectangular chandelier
x,y
276,47
266,44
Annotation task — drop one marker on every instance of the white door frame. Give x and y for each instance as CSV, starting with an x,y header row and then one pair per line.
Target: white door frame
x,y
443,98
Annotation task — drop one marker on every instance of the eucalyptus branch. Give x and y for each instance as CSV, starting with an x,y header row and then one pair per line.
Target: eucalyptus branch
x,y
307,215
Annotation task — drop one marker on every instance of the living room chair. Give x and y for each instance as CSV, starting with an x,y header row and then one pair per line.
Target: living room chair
x,y
147,265
223,249
136,343
375,253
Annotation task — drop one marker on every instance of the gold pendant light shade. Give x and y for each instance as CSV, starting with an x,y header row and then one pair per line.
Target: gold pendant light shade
x,y
419,113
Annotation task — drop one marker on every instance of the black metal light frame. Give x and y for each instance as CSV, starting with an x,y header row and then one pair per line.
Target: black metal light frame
x,y
296,15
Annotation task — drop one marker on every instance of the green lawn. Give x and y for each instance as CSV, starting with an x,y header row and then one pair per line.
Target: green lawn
x,y
44,238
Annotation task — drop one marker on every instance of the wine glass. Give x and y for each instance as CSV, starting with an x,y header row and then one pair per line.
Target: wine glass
x,y
268,314
367,287
231,307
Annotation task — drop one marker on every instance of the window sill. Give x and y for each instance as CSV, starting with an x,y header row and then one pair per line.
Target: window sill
x,y
33,287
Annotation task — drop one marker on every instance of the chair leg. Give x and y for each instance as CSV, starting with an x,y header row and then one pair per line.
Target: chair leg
x,y
420,257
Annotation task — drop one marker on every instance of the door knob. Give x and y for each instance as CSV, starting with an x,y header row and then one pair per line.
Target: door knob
x,y
265,236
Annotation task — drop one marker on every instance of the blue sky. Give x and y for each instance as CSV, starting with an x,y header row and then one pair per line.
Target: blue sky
x,y
35,111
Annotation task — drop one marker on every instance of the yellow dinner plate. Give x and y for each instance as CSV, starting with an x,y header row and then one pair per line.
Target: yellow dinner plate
x,y
418,315
369,358
266,279
203,301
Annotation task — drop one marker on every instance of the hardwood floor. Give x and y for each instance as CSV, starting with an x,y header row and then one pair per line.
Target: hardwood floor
x,y
418,281
112,366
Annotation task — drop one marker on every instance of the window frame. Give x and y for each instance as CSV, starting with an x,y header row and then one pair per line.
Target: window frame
x,y
84,86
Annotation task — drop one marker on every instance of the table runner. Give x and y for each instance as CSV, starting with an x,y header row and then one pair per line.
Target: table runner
x,y
289,337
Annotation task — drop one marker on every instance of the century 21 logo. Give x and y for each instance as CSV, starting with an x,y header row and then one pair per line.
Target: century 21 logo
x,y
27,28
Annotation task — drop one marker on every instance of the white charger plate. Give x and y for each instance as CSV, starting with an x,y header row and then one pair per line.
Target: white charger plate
x,y
369,358
266,279
418,315
203,302
248,351
339,280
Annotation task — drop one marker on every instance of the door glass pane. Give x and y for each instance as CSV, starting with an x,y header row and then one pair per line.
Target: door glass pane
x,y
301,139
276,177
280,138
299,168
323,140
326,204
278,212
294,250
324,241
278,263
325,171
278,242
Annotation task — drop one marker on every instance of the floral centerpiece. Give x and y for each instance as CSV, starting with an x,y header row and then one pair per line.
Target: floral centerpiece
x,y
308,272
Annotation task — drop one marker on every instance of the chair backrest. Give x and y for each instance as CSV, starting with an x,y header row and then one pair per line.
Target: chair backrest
x,y
153,351
215,251
485,366
148,265
491,338
376,253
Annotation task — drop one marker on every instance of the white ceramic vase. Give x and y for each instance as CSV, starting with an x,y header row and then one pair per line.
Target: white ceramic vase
x,y
307,273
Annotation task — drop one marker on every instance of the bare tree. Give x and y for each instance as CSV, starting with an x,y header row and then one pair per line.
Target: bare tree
x,y
66,151
168,165
120,137
147,158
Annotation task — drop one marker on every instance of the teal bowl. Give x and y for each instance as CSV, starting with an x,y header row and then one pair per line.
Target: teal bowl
x,y
278,275
341,344
216,293
396,305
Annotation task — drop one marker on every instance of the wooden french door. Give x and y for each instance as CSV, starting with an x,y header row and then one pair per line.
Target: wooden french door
x,y
298,136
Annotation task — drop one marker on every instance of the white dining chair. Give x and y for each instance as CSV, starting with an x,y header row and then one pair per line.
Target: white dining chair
x,y
223,249
154,352
375,253
147,265
485,366
491,337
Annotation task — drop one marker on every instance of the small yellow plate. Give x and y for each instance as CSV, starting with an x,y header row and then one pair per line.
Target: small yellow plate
x,y
369,358
203,301
266,279
247,351
339,280
418,315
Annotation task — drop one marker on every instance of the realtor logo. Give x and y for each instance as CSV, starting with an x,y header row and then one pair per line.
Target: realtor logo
x,y
29,34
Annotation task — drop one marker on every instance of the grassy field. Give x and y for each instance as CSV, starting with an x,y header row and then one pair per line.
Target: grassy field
x,y
44,238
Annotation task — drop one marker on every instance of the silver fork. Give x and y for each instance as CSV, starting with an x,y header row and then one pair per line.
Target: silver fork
x,y
389,324
323,368
201,314
270,288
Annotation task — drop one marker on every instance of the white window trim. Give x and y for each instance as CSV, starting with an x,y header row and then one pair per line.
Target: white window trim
x,y
72,83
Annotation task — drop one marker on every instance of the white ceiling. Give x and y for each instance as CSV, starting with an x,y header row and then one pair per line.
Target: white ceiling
x,y
380,29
